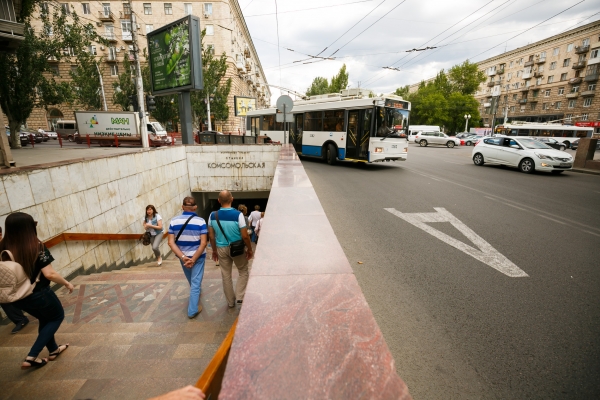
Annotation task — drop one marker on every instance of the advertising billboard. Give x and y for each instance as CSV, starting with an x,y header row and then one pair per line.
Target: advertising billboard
x,y
175,57
107,124
243,105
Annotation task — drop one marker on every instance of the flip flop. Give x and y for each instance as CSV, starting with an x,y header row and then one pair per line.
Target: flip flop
x,y
52,356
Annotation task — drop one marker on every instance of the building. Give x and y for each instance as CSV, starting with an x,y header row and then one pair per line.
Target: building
x,y
226,31
553,79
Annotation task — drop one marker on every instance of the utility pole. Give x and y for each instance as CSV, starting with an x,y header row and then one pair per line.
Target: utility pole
x,y
139,85
101,86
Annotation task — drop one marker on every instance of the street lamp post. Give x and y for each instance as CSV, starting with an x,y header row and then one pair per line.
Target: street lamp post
x,y
467,117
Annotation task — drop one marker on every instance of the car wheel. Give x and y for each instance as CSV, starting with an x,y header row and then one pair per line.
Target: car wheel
x,y
70,138
423,143
562,148
450,145
331,157
478,159
527,165
468,143
567,143
557,172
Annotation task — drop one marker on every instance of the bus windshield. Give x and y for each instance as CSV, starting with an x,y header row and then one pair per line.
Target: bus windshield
x,y
390,122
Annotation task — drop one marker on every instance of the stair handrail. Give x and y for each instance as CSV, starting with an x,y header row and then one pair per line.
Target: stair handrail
x,y
71,237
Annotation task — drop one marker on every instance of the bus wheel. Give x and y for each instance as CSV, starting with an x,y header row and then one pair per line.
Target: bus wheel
x,y
423,143
331,157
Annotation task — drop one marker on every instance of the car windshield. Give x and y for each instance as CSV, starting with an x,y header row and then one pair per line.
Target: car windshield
x,y
533,144
157,126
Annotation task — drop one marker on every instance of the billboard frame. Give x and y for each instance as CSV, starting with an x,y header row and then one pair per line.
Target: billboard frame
x,y
235,104
196,78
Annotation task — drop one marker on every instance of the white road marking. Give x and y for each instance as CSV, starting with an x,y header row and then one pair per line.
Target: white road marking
x,y
592,233
551,219
486,253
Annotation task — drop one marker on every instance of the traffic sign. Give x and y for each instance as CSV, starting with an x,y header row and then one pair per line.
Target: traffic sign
x,y
284,104
279,117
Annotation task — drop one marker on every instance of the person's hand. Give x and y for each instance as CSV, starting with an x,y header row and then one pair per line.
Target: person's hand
x,y
70,287
187,262
249,254
145,225
215,256
187,393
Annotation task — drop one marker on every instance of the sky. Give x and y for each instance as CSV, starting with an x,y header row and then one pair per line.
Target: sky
x,y
368,35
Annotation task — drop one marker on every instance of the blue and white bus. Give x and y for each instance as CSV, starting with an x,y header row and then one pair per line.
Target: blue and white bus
x,y
363,129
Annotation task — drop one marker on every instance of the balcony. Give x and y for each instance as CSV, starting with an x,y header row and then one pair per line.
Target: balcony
x,y
487,104
528,63
540,60
591,77
125,15
534,100
588,93
491,72
572,95
491,83
127,36
111,59
575,81
582,49
523,101
11,33
240,66
527,75
594,60
500,71
106,16
579,65
538,74
524,89
110,36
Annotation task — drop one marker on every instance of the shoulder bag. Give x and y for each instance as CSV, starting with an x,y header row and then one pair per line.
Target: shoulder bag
x,y
183,228
236,248
15,284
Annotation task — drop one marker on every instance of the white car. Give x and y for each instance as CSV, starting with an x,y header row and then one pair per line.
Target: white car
x,y
52,135
527,154
426,138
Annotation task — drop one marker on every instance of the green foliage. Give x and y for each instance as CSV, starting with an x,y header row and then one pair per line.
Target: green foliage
x,y
215,86
124,86
321,85
402,91
85,83
447,98
27,79
167,107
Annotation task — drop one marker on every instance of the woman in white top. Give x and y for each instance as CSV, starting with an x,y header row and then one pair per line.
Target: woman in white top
x,y
153,224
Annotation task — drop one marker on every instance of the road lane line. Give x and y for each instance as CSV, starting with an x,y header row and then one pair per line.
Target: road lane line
x,y
552,219
485,252
591,233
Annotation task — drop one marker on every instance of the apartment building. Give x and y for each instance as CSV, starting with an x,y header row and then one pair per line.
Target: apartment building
x,y
226,31
553,79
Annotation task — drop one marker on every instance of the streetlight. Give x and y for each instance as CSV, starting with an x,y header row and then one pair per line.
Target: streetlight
x,y
467,117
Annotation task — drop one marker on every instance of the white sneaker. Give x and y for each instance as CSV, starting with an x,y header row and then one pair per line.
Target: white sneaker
x,y
159,260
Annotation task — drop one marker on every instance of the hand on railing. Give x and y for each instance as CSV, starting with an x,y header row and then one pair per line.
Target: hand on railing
x,y
189,392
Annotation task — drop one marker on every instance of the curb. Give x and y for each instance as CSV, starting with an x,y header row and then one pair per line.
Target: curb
x,y
586,171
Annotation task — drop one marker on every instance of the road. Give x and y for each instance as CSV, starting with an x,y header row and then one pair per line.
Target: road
x,y
459,328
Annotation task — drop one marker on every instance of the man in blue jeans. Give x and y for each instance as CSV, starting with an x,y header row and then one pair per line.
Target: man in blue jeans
x,y
187,239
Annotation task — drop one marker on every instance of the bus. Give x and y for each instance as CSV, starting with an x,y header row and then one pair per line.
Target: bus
x,y
561,133
332,127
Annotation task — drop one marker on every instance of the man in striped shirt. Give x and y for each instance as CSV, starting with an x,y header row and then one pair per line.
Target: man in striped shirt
x,y
187,239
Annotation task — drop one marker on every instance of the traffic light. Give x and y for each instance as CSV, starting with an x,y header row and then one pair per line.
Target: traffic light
x,y
133,101
150,103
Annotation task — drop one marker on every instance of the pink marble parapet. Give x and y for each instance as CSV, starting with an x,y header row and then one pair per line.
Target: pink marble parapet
x,y
305,330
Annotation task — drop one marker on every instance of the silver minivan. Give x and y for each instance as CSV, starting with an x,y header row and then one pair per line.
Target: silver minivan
x,y
66,129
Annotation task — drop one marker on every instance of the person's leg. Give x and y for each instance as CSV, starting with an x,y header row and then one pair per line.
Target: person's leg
x,y
241,262
196,275
253,237
14,314
226,263
156,243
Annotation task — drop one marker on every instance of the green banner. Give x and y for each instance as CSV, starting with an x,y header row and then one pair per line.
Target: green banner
x,y
170,57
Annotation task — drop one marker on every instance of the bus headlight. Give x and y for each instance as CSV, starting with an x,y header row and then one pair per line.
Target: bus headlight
x,y
406,149
378,149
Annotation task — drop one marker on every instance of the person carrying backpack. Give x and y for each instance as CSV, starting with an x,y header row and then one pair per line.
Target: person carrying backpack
x,y
33,294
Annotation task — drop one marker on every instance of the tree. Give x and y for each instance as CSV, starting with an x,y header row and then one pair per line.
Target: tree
x,y
124,86
339,81
318,86
85,83
28,78
466,77
402,91
215,86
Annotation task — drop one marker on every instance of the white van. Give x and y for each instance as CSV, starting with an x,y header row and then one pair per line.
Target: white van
x,y
413,130
155,128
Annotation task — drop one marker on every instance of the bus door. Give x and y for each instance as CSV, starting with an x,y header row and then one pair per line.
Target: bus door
x,y
352,143
359,128
296,132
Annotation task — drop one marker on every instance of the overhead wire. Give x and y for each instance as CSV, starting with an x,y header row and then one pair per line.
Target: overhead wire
x,y
278,45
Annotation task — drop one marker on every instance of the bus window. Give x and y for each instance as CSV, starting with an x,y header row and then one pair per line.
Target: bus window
x,y
388,120
255,125
268,123
313,121
333,121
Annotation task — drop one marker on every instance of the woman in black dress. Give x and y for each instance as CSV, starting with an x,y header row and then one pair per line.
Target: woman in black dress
x,y
20,238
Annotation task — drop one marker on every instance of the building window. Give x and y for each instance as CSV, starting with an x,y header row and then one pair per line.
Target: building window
x,y
572,103
587,102
112,53
514,97
187,8
44,8
594,53
509,75
512,109
547,93
519,74
147,9
551,79
106,9
575,89
568,117
86,8
569,47
535,93
585,42
545,106
541,68
557,105
211,49
149,28
563,77
561,91
566,62
210,30
126,10
533,106
584,117
168,9
114,70
49,30
592,86
552,65
511,64
93,50
522,108
208,8
543,55
54,69
538,81
556,51
64,7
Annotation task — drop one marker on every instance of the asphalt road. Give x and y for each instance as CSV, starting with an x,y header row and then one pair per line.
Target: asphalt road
x,y
457,327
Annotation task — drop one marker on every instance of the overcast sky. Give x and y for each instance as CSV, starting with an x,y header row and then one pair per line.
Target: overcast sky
x,y
309,26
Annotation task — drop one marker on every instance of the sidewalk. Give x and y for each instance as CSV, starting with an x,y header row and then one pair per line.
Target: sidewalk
x,y
129,336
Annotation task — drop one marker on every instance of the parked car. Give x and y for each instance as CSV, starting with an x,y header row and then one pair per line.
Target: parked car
x,y
440,138
575,145
463,135
52,135
525,153
22,136
33,136
551,142
470,140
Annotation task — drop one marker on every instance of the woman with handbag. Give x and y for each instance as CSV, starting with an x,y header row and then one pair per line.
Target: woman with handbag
x,y
154,226
21,244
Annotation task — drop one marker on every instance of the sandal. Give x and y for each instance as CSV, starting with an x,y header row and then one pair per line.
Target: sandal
x,y
52,356
34,363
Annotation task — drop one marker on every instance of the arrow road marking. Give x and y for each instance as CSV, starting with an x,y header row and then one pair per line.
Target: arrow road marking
x,y
486,253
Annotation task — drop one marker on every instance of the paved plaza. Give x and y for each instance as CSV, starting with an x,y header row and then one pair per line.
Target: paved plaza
x,y
129,336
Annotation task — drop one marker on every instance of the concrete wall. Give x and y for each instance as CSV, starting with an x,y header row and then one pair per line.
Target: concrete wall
x,y
106,195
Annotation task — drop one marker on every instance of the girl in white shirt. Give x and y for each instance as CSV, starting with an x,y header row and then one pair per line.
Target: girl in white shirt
x,y
153,224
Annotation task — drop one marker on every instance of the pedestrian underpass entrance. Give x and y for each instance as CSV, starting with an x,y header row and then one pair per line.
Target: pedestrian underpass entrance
x,y
207,201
